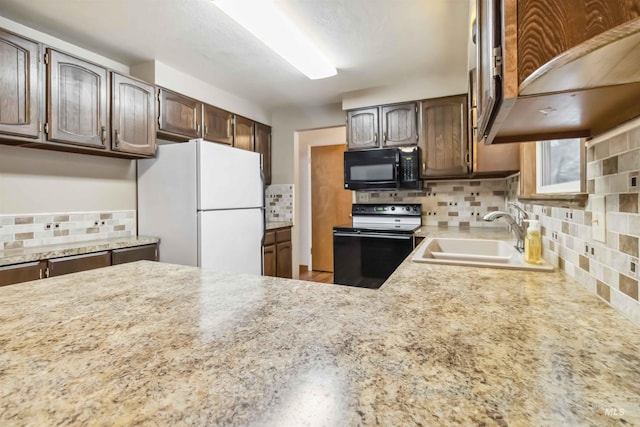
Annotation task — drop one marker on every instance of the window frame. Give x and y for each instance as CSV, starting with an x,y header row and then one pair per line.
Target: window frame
x,y
565,187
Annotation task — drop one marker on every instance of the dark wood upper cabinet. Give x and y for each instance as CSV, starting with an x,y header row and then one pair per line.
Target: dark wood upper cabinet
x,y
362,128
399,124
19,86
180,117
133,124
536,74
243,133
77,101
218,125
263,146
443,137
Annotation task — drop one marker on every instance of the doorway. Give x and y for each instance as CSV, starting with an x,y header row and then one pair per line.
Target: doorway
x,y
330,202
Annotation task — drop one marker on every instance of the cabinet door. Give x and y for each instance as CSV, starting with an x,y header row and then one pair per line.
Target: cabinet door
x,y
77,106
269,259
133,116
263,146
362,128
137,253
24,272
19,83
218,125
74,264
399,124
243,136
443,138
180,117
283,260
489,91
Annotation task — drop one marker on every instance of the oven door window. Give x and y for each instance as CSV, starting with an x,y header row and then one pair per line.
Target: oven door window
x,y
368,259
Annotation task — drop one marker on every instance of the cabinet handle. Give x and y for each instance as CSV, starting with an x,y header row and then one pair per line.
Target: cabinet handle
x,y
206,129
384,135
41,274
375,137
103,133
117,137
198,128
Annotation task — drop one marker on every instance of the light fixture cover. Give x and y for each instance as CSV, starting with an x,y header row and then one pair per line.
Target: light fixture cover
x,y
262,19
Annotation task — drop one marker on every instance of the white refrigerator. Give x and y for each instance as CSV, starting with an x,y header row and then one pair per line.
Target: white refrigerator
x,y
206,203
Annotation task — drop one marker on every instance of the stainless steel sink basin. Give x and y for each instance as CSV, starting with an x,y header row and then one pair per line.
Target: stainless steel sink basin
x,y
474,252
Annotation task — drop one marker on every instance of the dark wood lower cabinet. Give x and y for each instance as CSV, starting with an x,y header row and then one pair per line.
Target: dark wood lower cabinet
x,y
74,264
17,273
24,272
137,253
277,253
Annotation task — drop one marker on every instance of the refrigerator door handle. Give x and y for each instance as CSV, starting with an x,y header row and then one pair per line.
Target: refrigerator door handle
x,y
264,218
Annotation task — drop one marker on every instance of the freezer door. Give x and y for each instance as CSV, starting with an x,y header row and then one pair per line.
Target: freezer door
x,y
231,240
229,178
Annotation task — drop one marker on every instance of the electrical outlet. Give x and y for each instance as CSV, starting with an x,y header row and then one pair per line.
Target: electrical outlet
x,y
633,267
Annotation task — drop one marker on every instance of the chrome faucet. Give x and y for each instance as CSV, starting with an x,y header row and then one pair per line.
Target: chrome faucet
x,y
516,225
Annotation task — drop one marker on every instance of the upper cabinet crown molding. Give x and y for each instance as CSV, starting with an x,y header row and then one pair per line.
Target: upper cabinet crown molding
x,y
558,69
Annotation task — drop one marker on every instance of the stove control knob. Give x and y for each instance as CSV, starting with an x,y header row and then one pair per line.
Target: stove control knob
x,y
408,208
393,208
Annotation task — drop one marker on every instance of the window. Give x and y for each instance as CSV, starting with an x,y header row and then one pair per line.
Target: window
x,y
559,166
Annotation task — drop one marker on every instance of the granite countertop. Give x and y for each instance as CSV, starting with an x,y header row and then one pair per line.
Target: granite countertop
x,y
435,345
272,225
17,256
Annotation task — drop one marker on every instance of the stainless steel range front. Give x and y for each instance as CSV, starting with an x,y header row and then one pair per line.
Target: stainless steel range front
x,y
372,246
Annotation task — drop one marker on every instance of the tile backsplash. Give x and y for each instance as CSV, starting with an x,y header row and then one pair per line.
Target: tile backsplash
x,y
449,203
279,202
610,269
30,230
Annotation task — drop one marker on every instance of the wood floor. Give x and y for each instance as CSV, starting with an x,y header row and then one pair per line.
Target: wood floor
x,y
316,276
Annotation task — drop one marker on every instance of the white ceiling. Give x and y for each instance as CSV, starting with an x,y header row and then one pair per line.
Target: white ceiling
x,y
373,43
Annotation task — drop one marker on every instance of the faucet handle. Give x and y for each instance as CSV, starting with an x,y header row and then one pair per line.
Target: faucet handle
x,y
523,213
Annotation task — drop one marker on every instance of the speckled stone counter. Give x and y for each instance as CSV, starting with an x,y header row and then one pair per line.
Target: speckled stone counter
x,y
17,256
435,345
272,225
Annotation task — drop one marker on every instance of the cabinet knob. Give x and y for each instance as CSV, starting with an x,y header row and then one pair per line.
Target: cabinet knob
x,y
103,133
117,137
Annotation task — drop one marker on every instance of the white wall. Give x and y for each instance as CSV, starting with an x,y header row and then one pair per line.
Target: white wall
x,y
286,123
42,181
410,90
306,140
163,75
62,45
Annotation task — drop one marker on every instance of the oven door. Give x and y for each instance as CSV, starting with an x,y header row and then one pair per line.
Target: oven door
x,y
372,169
367,259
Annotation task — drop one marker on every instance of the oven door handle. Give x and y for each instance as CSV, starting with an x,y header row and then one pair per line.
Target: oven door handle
x,y
376,235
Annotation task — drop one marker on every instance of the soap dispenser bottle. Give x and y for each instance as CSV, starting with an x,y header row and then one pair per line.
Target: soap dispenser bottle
x,y
533,243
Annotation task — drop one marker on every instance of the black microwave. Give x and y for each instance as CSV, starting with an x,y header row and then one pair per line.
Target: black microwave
x,y
382,169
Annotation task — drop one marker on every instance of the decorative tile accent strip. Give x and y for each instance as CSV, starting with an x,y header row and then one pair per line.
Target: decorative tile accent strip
x,y
24,231
609,270
279,201
449,203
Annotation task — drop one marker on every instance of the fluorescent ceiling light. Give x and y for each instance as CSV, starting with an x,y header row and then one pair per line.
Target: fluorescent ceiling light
x,y
262,19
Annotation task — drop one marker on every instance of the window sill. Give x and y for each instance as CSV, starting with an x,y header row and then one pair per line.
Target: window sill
x,y
562,200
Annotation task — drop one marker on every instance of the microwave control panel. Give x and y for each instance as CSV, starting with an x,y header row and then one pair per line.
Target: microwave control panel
x,y
409,165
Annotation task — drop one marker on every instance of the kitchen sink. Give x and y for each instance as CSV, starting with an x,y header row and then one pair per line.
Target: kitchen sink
x,y
475,253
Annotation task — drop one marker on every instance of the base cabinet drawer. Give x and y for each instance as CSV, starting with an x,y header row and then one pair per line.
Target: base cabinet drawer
x,y
24,272
74,264
137,253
